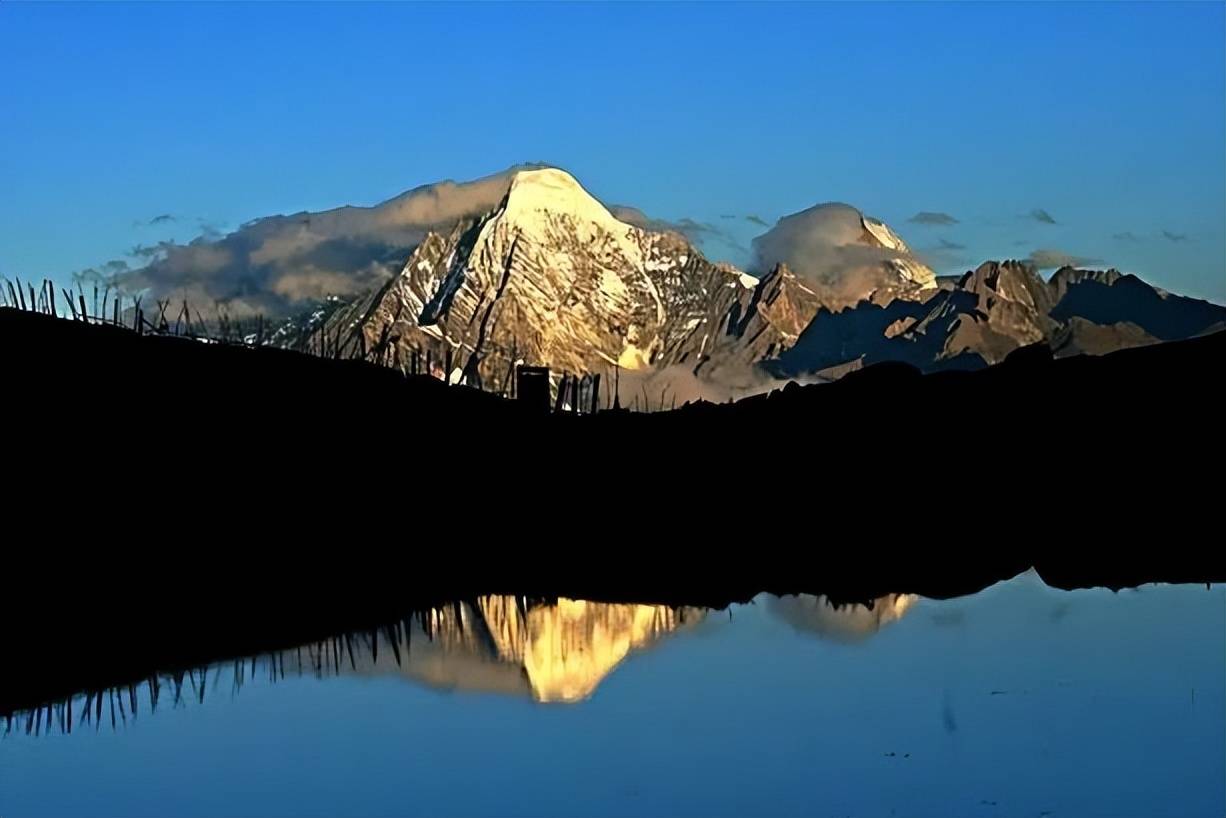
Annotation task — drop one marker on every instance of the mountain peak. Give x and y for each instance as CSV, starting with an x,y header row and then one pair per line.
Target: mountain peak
x,y
556,191
544,175
844,255
549,277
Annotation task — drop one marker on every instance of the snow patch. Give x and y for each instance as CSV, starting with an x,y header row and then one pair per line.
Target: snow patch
x,y
632,358
537,196
612,286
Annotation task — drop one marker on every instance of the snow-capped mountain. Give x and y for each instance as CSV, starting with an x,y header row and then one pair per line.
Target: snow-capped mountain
x,y
845,256
548,277
278,265
551,277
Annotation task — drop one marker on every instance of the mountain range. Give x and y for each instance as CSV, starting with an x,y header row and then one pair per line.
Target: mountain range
x,y
527,267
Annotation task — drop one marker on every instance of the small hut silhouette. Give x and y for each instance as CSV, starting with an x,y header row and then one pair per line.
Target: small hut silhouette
x,y
532,387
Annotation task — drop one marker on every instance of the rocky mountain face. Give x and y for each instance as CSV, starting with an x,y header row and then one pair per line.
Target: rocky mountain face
x,y
993,310
1077,336
1107,297
749,325
549,276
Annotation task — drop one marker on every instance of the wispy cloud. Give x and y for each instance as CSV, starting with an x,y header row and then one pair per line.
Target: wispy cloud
x,y
149,251
1127,235
823,246
691,227
210,231
271,264
102,274
1048,258
1042,216
700,233
945,254
165,218
755,219
1169,236
932,218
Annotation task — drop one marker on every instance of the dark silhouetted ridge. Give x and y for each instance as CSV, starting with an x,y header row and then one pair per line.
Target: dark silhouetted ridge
x,y
170,501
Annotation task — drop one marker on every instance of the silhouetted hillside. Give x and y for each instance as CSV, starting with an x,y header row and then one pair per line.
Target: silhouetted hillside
x,y
99,412
174,499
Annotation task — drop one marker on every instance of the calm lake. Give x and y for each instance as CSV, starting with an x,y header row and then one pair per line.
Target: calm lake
x,y
1017,701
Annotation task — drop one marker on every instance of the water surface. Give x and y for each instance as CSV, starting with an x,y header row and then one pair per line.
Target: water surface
x,y
1019,700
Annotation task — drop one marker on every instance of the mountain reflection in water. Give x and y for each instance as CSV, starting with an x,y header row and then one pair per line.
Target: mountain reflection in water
x,y
556,651
1018,700
842,623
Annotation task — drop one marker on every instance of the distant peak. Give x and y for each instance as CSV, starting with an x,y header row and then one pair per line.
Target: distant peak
x,y
991,266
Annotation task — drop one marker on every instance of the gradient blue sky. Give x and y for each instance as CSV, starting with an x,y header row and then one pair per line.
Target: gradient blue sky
x,y
1112,117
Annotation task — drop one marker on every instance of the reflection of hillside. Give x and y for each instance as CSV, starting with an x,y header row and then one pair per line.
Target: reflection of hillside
x,y
555,652
842,623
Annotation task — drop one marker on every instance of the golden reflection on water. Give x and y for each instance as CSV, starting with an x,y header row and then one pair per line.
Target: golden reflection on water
x,y
555,651
562,650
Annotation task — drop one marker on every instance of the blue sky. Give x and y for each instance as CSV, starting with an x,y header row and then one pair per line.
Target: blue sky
x,y
1111,117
